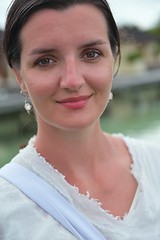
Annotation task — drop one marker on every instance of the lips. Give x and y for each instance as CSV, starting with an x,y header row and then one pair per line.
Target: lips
x,y
74,99
75,102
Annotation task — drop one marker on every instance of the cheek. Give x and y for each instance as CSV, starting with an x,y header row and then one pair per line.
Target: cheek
x,y
41,84
102,80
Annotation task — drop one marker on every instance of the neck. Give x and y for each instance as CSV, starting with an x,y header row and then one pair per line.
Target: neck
x,y
68,150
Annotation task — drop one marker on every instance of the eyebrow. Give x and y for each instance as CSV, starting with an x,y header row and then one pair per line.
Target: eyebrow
x,y
94,43
37,51
41,51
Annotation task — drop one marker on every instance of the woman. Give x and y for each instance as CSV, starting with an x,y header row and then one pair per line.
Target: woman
x,y
63,54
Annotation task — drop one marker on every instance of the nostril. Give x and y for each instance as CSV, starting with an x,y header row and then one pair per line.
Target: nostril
x,y
72,84
72,79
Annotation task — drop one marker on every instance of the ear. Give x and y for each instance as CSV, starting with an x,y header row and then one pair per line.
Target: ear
x,y
19,79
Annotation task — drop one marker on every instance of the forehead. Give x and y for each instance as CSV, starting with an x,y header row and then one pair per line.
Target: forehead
x,y
75,15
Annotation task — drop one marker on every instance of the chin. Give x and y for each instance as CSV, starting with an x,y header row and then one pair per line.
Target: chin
x,y
72,122
75,126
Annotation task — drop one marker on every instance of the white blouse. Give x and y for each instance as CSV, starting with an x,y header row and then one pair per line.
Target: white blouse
x,y
22,219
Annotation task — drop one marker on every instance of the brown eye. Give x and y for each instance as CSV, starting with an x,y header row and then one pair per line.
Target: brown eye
x,y
44,61
92,54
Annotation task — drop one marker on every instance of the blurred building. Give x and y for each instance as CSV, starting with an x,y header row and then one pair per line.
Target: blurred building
x,y
140,50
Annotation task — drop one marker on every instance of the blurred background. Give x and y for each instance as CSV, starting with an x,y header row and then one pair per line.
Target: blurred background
x,y
135,108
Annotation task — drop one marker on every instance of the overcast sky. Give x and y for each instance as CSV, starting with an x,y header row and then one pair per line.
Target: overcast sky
x,y
142,13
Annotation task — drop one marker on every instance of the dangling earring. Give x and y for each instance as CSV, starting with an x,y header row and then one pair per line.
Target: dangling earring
x,y
110,96
27,105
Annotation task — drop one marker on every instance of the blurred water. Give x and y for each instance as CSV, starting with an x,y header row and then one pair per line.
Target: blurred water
x,y
151,134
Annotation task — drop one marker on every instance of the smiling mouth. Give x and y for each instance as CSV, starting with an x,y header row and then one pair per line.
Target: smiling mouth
x,y
74,99
75,102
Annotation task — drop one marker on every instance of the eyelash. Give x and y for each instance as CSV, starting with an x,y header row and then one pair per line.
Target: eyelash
x,y
42,61
92,51
50,61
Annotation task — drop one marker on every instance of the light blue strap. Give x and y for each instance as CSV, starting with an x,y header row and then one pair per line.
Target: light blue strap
x,y
49,199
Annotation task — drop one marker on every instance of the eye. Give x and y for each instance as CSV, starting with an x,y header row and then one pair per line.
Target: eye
x,y
45,61
92,54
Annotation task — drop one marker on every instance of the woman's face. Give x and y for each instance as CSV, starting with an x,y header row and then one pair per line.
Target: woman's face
x,y
66,66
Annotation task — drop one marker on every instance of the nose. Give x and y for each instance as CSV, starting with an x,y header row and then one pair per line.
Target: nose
x,y
72,78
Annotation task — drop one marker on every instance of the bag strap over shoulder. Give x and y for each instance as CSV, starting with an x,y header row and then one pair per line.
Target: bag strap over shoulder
x,y
51,201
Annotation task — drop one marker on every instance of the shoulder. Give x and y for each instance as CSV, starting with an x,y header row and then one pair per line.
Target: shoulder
x,y
20,216
15,203
145,156
11,197
142,149
145,151
146,160
146,168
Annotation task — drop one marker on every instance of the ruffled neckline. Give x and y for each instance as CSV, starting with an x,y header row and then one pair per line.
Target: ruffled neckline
x,y
100,217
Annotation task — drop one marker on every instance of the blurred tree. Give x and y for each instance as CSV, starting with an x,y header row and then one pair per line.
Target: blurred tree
x,y
155,30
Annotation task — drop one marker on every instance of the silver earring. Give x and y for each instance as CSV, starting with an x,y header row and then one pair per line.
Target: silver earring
x,y
27,105
110,96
